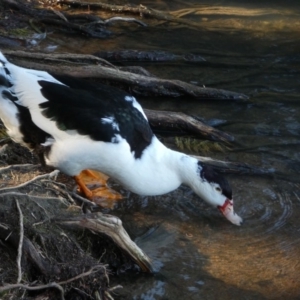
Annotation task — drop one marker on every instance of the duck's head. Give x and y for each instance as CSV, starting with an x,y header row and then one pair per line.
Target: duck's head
x,y
215,190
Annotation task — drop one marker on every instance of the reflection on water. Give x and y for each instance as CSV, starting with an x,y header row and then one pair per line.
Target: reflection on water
x,y
198,254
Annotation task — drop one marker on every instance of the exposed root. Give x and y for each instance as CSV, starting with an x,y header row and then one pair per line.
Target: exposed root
x,y
34,288
45,249
137,83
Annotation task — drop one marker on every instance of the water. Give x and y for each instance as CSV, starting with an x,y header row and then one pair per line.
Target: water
x,y
252,49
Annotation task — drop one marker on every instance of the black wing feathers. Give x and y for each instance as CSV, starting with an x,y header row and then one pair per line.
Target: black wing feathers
x,y
82,106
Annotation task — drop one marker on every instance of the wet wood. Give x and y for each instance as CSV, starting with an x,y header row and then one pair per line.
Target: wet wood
x,y
138,84
112,227
179,121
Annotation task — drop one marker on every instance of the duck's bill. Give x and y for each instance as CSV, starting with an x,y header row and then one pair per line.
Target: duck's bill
x,y
228,211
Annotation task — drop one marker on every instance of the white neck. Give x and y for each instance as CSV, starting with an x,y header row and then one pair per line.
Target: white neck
x,y
160,170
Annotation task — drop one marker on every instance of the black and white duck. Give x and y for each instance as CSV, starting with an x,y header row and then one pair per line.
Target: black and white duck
x,y
75,125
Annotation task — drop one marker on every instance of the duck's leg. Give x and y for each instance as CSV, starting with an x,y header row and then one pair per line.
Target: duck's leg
x,y
102,195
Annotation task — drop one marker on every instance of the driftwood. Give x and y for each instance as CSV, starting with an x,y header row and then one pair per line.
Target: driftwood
x,y
112,227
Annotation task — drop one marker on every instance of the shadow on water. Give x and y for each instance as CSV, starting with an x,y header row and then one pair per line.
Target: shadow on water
x,y
249,48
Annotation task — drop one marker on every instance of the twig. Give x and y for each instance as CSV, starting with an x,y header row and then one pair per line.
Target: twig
x,y
84,274
16,167
115,19
50,175
108,295
88,202
32,197
115,287
4,226
34,288
19,256
52,284
58,13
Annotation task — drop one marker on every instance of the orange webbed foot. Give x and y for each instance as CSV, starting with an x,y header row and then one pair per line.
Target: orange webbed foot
x,y
94,187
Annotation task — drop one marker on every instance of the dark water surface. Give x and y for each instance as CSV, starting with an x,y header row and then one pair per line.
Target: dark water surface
x,y
249,48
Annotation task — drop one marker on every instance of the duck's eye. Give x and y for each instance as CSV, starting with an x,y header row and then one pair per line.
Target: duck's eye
x,y
218,189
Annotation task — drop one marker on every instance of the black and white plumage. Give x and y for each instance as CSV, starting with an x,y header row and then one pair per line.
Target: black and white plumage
x,y
79,125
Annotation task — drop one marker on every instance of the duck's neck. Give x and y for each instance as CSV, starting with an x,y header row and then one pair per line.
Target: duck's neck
x,y
160,170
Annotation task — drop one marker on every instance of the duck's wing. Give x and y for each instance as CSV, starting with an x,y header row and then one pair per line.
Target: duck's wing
x,y
103,113
64,106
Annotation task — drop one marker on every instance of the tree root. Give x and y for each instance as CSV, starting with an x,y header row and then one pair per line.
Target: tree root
x,y
57,285
88,66
177,120
112,227
138,84
109,225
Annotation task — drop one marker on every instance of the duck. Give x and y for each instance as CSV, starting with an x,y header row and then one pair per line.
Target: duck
x,y
75,126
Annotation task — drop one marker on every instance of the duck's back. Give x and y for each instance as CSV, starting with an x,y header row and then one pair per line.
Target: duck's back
x,y
36,106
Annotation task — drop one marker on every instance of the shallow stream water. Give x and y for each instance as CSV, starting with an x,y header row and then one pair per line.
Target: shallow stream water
x,y
249,48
